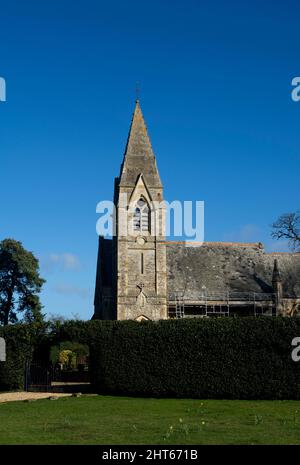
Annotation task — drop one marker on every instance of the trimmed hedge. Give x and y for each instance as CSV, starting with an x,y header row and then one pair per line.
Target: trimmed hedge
x,y
236,358
33,342
233,358
18,347
22,341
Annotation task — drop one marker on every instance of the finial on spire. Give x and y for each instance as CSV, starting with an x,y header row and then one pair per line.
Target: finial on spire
x,y
276,273
137,91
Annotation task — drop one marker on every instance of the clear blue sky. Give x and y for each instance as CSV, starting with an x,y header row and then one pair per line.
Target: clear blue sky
x,y
216,95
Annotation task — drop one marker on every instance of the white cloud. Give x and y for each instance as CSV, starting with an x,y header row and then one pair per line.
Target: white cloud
x,y
64,261
246,233
67,289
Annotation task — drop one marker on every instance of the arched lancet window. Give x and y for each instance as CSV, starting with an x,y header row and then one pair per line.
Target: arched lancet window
x,y
141,217
137,220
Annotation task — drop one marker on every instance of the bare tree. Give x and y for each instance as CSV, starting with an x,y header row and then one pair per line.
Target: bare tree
x,y
288,227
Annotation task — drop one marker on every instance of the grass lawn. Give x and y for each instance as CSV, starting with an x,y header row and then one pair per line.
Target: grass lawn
x,y
123,420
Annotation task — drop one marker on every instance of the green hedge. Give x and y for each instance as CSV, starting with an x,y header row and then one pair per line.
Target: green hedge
x,y
237,358
33,342
234,358
18,347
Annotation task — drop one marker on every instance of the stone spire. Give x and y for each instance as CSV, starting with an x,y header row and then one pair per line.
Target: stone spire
x,y
277,287
139,157
276,275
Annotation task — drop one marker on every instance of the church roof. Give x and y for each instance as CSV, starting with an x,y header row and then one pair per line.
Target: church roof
x,y
234,268
139,157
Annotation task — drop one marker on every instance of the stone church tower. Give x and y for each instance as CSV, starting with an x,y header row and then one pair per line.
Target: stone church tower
x,y
140,275
139,245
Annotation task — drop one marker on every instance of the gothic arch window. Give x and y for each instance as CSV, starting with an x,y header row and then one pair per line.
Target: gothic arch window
x,y
141,216
137,220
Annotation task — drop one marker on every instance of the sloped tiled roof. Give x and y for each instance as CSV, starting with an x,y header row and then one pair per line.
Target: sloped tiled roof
x,y
222,267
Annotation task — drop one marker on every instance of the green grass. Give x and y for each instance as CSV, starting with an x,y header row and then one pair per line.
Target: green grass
x,y
123,420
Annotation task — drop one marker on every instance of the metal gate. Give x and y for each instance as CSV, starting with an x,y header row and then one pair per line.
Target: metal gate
x,y
38,377
43,377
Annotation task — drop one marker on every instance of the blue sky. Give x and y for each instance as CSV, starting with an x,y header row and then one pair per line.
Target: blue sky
x,y
216,95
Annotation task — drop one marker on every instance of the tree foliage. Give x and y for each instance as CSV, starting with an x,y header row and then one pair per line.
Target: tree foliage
x,y
78,350
67,357
20,284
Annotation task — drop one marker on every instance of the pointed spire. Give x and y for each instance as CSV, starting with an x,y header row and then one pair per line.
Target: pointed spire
x,y
139,157
138,142
276,275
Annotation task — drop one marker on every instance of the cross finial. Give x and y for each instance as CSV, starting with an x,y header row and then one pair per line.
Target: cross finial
x,y
137,91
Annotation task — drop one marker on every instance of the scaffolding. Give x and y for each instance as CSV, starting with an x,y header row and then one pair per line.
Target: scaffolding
x,y
179,304
216,306
264,304
212,304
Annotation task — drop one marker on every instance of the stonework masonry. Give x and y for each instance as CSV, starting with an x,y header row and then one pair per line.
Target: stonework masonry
x,y
140,275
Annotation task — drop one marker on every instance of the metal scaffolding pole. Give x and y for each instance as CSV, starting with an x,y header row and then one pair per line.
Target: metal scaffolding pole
x,y
179,305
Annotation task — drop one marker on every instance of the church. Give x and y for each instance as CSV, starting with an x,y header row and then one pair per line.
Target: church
x,y
142,276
